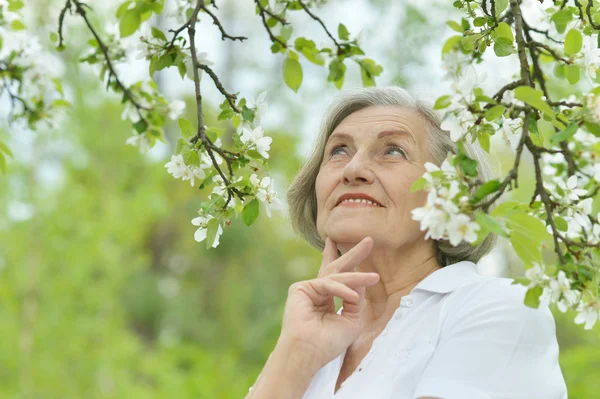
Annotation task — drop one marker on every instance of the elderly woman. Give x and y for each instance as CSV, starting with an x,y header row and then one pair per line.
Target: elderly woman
x,y
417,320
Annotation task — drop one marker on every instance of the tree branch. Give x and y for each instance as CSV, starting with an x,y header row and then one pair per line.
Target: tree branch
x,y
262,11
224,34
79,9
201,134
230,97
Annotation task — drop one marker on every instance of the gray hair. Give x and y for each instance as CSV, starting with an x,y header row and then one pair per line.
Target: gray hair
x,y
301,195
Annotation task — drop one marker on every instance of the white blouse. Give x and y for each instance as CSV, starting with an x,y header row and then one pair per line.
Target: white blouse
x,y
457,335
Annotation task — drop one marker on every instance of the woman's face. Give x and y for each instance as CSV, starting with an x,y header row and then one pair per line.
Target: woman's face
x,y
379,152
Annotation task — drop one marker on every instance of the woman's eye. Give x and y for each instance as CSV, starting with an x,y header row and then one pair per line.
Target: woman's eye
x,y
397,149
336,150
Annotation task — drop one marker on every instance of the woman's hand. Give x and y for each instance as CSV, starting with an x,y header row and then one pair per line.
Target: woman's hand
x,y
310,321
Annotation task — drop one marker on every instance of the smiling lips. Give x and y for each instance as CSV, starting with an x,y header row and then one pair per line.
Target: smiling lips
x,y
356,200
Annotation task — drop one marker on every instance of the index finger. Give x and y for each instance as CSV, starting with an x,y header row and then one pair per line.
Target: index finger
x,y
352,258
330,252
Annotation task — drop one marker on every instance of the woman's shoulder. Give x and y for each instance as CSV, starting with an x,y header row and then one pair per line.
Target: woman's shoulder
x,y
497,300
490,289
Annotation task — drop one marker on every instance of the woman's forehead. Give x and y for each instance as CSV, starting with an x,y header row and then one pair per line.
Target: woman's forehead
x,y
382,119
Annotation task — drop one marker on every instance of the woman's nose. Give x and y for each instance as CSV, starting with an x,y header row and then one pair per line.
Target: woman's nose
x,y
358,171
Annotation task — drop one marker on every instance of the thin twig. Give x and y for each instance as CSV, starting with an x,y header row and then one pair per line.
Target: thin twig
x,y
550,50
313,16
588,11
230,97
539,188
201,134
79,9
224,35
513,85
262,13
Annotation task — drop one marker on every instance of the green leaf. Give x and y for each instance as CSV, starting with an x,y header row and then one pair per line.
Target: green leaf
x,y
4,148
505,209
565,134
573,42
455,26
545,128
484,190
532,297
500,6
181,144
53,37
494,113
504,31
572,73
418,184
15,5
343,33
187,130
292,73
122,8
130,22
527,233
502,49
59,102
17,25
480,21
368,71
451,44
490,223
561,19
140,126
286,32
250,212
442,102
212,228
533,97
560,223
158,34
484,140
468,165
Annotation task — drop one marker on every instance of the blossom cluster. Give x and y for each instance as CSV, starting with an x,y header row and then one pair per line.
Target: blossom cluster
x,y
251,133
190,164
177,167
573,192
30,72
443,215
265,192
558,291
147,114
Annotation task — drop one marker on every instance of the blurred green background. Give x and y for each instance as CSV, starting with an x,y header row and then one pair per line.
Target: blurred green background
x,y
103,291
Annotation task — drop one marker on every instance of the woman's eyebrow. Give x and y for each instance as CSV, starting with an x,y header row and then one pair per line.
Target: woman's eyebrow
x,y
385,133
402,133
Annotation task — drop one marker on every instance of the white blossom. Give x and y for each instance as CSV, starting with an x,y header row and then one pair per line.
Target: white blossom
x,y
261,107
462,228
561,292
175,109
254,139
537,275
587,313
202,231
570,189
595,233
458,123
141,141
265,192
176,166
591,55
510,131
593,104
202,59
